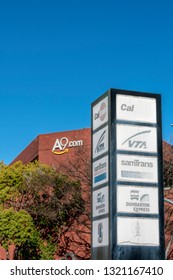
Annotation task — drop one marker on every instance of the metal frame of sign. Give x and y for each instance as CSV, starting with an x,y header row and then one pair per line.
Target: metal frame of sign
x,y
100,245
138,161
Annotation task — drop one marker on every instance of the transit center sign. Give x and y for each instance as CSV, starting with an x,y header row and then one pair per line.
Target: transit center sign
x,y
127,183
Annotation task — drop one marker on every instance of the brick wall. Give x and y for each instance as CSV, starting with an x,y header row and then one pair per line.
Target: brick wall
x,y
167,151
41,147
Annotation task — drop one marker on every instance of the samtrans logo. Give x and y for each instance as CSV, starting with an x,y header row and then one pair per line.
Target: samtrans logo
x,y
62,145
134,143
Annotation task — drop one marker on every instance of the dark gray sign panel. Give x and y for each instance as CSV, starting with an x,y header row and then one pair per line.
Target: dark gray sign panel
x,y
100,179
127,184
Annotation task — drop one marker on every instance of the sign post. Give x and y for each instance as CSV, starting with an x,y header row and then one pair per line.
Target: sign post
x,y
127,186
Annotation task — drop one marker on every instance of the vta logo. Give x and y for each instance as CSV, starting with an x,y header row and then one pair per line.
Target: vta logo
x,y
100,145
137,143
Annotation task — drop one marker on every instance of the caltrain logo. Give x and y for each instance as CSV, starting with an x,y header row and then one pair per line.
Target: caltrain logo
x,y
62,145
101,114
133,142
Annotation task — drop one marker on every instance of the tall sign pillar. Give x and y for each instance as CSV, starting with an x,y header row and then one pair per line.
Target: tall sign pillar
x,y
127,186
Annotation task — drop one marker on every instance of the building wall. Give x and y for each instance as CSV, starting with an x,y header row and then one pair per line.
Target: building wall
x,y
167,151
168,194
41,147
80,139
29,153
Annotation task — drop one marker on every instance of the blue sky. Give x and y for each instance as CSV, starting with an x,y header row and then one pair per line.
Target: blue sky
x,y
57,57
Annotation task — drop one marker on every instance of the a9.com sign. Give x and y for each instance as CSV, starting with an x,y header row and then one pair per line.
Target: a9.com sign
x,y
62,145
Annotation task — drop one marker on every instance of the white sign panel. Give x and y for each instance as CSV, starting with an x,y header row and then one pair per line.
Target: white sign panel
x,y
137,168
137,231
100,113
135,199
136,138
100,202
136,108
100,142
100,233
100,171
